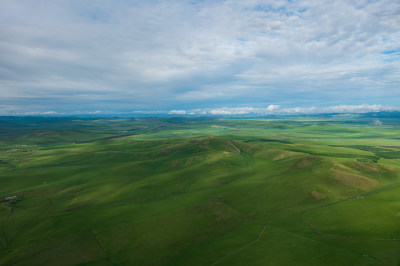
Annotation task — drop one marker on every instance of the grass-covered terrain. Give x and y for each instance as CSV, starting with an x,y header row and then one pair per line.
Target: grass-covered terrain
x,y
180,191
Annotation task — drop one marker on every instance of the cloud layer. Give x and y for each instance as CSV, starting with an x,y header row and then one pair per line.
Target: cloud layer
x,y
276,109
228,111
86,56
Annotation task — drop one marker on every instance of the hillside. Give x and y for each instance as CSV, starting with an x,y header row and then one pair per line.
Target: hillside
x,y
191,191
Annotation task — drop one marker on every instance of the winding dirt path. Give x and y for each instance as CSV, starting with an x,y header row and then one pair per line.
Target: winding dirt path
x,y
239,249
235,147
341,201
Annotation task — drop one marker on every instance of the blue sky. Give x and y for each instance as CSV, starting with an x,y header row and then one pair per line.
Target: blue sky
x,y
205,57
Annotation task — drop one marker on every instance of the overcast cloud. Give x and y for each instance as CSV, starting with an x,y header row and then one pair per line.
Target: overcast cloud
x,y
123,56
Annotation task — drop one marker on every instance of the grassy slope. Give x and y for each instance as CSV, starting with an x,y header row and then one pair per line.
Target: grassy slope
x,y
174,195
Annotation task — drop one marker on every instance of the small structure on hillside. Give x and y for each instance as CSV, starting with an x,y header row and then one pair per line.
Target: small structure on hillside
x,y
10,198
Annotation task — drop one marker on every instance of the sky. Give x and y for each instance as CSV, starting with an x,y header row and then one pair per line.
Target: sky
x,y
199,57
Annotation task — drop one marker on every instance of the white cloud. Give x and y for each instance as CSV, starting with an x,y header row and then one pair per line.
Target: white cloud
x,y
364,108
38,113
233,111
272,107
275,109
177,112
50,113
163,54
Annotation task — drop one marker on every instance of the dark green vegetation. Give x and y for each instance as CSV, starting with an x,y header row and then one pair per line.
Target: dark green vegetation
x,y
178,191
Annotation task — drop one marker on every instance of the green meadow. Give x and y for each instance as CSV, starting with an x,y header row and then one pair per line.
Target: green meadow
x,y
193,191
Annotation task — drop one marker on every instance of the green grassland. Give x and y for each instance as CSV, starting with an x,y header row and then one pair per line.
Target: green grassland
x,y
189,191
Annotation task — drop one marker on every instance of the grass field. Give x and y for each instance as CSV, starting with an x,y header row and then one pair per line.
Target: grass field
x,y
181,191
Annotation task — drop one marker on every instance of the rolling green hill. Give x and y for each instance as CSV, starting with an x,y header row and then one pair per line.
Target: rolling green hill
x,y
178,191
